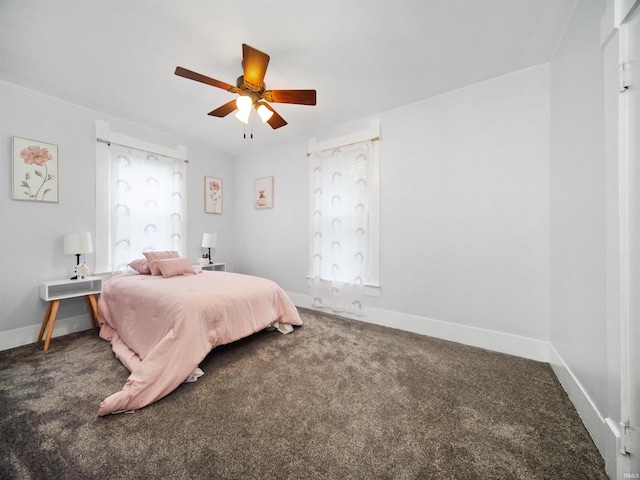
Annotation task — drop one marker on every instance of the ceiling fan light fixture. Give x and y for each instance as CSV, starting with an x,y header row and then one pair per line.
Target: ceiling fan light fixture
x,y
243,115
244,104
264,112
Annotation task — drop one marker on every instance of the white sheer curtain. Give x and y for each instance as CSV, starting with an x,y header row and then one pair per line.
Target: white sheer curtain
x,y
339,180
147,204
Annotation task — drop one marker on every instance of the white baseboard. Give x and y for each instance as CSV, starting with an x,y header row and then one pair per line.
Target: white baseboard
x,y
26,335
589,413
477,337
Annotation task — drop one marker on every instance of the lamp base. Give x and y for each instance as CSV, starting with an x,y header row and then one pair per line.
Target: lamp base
x,y
77,263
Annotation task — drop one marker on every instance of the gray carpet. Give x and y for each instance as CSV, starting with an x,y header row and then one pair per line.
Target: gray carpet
x,y
335,399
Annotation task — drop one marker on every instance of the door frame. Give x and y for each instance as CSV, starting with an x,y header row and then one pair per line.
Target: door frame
x,y
620,35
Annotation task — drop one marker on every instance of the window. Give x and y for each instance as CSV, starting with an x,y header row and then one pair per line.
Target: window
x,y
141,203
344,232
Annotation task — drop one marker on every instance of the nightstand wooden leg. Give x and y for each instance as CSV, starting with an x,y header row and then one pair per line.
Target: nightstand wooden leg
x,y
52,322
45,321
92,307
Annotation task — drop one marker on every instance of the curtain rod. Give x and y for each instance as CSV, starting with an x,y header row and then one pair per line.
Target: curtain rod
x,y
372,139
109,142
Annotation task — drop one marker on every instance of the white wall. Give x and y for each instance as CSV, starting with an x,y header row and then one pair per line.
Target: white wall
x,y
464,198
465,205
578,214
273,242
31,233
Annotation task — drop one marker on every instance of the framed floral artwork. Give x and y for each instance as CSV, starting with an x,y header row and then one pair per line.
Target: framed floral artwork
x,y
212,195
263,193
35,171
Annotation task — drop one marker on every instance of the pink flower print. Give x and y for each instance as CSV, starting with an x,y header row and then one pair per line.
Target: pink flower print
x,y
34,155
216,196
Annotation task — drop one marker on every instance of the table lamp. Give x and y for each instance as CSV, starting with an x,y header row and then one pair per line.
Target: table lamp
x,y
77,244
209,240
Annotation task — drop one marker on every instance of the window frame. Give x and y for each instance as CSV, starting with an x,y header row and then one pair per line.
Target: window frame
x,y
372,133
104,136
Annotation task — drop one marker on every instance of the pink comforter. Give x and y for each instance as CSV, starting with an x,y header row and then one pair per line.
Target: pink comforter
x,y
162,328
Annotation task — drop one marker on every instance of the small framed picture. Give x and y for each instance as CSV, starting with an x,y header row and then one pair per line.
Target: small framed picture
x,y
212,195
35,171
263,193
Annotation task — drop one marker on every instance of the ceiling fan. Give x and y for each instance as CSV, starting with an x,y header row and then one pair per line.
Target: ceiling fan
x,y
251,90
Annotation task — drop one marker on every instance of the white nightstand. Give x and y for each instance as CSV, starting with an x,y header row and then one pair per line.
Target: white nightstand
x,y
216,266
57,290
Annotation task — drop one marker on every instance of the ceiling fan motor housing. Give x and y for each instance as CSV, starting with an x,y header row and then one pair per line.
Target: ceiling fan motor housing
x,y
249,90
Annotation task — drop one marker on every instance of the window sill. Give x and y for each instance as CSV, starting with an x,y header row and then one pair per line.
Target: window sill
x,y
370,289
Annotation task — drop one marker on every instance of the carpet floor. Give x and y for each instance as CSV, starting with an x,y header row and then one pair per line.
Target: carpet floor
x,y
335,399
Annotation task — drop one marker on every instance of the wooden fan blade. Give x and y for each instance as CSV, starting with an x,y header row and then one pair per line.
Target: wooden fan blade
x,y
198,77
254,64
276,121
299,97
224,110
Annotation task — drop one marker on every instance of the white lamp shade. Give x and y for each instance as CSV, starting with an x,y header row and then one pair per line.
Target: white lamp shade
x,y
75,243
209,240
243,115
264,112
244,104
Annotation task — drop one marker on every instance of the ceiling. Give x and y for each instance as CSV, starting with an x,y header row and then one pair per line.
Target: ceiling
x,y
362,57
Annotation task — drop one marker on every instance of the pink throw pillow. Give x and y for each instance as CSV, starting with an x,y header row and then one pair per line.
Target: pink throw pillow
x,y
170,267
140,265
153,257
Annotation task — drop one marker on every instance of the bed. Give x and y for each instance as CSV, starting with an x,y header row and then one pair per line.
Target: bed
x,y
162,328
